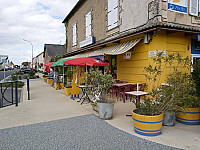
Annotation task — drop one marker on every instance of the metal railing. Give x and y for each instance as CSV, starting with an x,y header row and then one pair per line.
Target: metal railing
x,y
7,94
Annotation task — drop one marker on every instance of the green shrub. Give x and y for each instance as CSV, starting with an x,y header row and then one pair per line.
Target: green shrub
x,y
14,77
19,84
31,73
25,77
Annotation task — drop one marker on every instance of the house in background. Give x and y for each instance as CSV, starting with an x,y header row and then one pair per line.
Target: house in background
x,y
52,50
38,62
129,34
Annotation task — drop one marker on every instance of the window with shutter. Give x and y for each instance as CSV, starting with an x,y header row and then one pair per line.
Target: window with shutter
x,y
194,7
88,25
112,14
74,34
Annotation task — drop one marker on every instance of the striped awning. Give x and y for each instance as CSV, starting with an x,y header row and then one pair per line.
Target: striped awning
x,y
111,50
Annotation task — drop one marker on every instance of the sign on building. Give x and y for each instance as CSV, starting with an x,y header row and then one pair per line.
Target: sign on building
x,y
179,6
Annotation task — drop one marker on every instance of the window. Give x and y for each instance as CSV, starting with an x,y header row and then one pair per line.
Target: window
x,y
88,25
194,8
112,14
74,34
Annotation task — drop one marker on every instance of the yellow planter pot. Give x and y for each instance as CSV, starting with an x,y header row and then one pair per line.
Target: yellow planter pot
x,y
58,86
191,116
147,125
45,79
49,81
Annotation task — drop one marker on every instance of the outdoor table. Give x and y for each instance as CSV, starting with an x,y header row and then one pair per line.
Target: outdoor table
x,y
123,84
138,94
85,95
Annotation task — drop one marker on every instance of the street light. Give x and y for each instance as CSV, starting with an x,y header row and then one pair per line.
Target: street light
x,y
32,51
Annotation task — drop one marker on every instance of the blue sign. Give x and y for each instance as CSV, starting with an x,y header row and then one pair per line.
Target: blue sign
x,y
178,6
198,37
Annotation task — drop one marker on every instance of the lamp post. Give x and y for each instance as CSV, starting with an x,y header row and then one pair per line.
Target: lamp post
x,y
32,51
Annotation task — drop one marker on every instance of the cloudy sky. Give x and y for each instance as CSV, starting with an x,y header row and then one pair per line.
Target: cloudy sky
x,y
38,21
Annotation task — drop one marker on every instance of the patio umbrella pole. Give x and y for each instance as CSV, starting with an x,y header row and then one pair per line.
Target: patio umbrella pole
x,y
63,75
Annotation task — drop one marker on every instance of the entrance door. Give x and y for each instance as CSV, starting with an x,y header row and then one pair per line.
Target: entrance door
x,y
114,66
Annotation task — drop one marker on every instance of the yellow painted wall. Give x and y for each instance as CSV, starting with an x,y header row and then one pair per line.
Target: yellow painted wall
x,y
132,70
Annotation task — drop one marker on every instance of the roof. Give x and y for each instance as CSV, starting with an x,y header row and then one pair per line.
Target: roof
x,y
135,31
54,50
73,11
39,54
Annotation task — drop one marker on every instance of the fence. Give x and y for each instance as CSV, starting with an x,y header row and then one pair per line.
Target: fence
x,y
8,94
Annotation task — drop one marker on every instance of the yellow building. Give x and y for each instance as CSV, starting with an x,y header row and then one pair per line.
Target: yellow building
x,y
128,35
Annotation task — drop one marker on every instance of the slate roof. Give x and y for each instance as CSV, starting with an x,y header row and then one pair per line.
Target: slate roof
x,y
54,50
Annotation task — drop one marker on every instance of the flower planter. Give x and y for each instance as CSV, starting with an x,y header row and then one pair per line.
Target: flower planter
x,y
105,110
58,86
191,116
169,118
50,81
44,79
147,125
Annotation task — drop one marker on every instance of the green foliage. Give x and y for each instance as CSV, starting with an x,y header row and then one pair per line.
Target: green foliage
x,y
99,85
19,84
55,58
25,63
25,77
14,77
179,91
31,73
69,74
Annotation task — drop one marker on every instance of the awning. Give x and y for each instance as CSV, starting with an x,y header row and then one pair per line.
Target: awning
x,y
111,50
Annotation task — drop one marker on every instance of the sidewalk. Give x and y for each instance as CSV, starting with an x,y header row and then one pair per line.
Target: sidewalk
x,y
47,104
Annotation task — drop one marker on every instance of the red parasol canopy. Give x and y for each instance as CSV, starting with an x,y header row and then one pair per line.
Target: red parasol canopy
x,y
85,61
48,65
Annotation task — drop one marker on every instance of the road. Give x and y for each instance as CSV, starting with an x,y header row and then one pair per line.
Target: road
x,y
7,73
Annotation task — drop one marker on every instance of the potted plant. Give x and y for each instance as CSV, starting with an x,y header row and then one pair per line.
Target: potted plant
x,y
45,76
190,105
99,86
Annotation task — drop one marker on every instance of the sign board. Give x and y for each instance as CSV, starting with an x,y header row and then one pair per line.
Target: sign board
x,y
88,41
152,53
127,55
198,37
163,53
3,58
179,6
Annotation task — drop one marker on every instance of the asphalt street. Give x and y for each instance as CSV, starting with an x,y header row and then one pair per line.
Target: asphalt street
x,y
86,132
7,73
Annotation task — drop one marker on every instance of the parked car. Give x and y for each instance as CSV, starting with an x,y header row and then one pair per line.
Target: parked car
x,y
25,70
10,68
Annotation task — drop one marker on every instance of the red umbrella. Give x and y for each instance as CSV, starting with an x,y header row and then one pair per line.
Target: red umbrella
x,y
85,61
48,65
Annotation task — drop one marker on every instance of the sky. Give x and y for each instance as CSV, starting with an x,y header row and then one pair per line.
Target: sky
x,y
38,21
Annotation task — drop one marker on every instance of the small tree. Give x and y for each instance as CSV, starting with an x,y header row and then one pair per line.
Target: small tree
x,y
99,85
179,88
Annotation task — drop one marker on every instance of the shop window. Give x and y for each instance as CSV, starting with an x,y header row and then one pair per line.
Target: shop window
x,y
74,34
112,14
88,25
194,8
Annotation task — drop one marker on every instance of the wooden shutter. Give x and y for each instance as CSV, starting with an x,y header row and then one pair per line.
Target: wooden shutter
x,y
88,25
74,35
112,14
193,8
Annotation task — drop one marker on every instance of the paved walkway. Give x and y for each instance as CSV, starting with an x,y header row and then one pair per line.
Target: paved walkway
x,y
50,120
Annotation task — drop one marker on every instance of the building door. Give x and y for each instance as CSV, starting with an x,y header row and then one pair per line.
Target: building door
x,y
114,66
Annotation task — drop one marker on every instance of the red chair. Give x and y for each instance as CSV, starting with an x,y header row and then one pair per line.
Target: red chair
x,y
124,89
114,90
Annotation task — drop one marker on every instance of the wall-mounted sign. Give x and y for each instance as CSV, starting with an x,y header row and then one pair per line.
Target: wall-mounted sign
x,y
152,53
179,6
127,55
198,37
88,41
163,52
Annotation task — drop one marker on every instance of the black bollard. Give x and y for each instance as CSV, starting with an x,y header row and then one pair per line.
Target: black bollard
x,y
16,94
28,89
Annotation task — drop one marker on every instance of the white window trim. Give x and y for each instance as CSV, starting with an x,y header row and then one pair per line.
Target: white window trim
x,y
74,43
114,24
89,25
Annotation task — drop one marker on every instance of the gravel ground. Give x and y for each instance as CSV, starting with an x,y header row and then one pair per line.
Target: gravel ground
x,y
83,132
